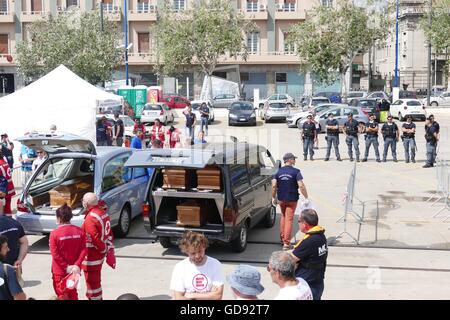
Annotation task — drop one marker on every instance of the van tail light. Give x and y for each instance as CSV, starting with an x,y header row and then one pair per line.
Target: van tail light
x,y
145,211
21,206
229,216
405,107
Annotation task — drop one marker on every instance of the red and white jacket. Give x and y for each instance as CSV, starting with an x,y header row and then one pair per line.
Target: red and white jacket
x,y
157,132
99,237
6,172
67,247
174,137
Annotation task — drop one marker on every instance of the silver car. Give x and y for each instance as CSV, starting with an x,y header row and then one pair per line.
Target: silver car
x,y
340,114
158,110
276,111
225,100
74,163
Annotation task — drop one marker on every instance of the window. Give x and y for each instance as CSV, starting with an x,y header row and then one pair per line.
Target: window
x,y
253,42
52,173
70,3
245,76
139,172
334,112
281,77
413,103
4,48
4,6
252,5
288,48
327,3
289,6
36,5
142,6
239,178
255,173
352,111
114,173
179,5
143,42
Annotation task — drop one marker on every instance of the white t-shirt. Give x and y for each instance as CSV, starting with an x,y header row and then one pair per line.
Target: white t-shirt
x,y
189,278
37,162
299,292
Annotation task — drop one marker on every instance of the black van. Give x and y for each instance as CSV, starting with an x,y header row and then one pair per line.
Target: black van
x,y
244,200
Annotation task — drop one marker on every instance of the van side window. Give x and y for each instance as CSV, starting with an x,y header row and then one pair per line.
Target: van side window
x,y
139,172
114,172
239,178
255,173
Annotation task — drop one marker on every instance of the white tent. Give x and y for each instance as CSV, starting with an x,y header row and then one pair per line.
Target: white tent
x,y
61,98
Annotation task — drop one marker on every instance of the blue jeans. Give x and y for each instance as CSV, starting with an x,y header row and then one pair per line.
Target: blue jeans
x,y
308,144
372,140
431,153
390,142
332,140
190,131
317,290
205,124
409,144
352,140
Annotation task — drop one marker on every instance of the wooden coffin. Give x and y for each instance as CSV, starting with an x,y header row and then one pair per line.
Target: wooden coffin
x,y
175,179
191,214
72,194
209,179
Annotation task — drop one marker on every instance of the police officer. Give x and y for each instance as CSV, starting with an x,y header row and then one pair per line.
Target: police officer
x,y
391,136
351,130
371,131
408,138
332,137
309,135
432,138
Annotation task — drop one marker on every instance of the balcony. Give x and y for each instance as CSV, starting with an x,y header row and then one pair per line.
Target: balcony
x,y
289,11
140,58
4,60
411,11
255,11
277,57
144,12
111,11
6,11
31,16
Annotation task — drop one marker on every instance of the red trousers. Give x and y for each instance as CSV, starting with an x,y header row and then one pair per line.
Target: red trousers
x,y
60,289
7,208
287,217
93,284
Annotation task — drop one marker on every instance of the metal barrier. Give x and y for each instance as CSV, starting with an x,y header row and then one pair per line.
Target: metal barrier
x,y
443,188
18,177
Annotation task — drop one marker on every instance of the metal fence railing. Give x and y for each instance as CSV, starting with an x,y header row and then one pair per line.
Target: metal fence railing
x,y
442,188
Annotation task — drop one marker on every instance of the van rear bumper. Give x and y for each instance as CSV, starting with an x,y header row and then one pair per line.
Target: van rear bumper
x,y
213,232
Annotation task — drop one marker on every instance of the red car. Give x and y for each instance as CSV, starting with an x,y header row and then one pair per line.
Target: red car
x,y
175,102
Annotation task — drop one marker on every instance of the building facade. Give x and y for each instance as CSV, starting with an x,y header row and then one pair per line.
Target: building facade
x,y
272,66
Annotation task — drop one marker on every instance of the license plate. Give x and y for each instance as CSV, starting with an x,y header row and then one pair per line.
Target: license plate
x,y
414,111
242,119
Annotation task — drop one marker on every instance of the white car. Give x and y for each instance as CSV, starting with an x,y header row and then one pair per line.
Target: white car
x,y
158,110
310,102
195,104
294,120
441,100
277,97
408,107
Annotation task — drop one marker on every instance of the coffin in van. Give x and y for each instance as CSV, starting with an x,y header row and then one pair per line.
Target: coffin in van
x,y
71,192
191,214
209,178
177,179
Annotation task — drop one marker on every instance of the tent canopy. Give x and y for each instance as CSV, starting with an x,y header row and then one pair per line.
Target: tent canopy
x,y
61,98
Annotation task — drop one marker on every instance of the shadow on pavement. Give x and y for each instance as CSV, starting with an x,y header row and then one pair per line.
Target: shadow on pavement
x,y
158,297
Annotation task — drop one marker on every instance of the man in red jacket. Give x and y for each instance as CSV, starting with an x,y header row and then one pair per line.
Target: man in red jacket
x,y
5,171
97,227
68,249
157,131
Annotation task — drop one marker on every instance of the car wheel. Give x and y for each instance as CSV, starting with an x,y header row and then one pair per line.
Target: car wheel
x,y
124,224
434,104
240,242
400,118
165,242
271,217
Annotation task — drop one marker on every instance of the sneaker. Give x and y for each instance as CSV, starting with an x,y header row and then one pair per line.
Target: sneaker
x,y
339,159
407,161
351,159
413,161
427,166
384,160
364,160
395,160
357,160
378,160
311,158
326,159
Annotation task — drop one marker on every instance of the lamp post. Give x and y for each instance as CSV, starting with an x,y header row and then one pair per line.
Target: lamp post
x,y
101,16
125,29
429,57
396,88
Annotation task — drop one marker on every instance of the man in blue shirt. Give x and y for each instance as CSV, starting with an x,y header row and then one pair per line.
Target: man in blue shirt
x,y
136,142
432,137
201,138
26,158
10,288
204,116
190,123
286,184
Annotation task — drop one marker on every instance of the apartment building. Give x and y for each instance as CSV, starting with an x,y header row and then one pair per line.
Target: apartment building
x,y
271,66
413,53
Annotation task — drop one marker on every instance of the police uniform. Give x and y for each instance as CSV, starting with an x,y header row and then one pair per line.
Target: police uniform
x,y
332,138
308,134
351,130
372,139
431,143
312,253
409,142
389,132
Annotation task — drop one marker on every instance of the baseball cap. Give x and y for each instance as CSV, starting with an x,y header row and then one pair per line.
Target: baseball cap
x,y
309,116
246,279
289,156
350,114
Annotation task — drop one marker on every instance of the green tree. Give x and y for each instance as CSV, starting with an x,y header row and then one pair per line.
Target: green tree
x,y
200,36
330,38
74,39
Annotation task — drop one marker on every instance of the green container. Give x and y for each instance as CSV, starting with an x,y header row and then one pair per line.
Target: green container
x,y
383,116
140,99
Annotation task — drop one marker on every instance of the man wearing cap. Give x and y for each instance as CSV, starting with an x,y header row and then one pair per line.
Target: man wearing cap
x,y
286,184
245,283
391,136
432,137
408,138
371,130
309,135
332,137
351,130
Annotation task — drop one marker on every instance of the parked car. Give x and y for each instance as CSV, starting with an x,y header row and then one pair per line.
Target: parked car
x,y
340,113
175,101
293,120
243,201
335,97
441,100
310,102
158,110
276,111
378,95
408,107
277,97
224,100
355,95
368,106
75,160
241,113
195,109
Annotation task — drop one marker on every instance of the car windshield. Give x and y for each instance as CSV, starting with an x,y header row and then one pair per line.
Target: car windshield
x,y
321,108
151,107
315,102
52,172
242,107
277,106
413,103
355,94
367,103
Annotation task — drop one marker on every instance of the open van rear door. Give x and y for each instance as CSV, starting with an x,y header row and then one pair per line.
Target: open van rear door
x,y
60,142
